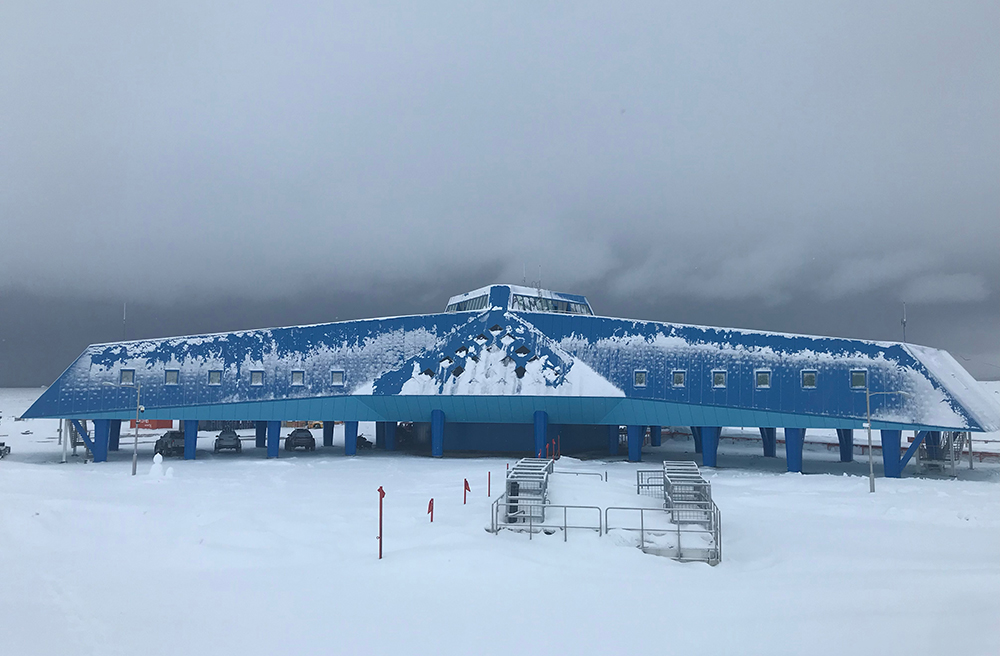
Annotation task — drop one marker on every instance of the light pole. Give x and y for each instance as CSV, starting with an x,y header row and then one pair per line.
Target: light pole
x,y
871,461
138,409
135,440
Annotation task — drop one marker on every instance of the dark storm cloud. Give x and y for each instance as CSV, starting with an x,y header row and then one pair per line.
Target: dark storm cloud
x,y
789,166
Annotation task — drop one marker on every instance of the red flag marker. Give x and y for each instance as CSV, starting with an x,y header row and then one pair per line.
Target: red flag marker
x,y
381,495
465,493
430,509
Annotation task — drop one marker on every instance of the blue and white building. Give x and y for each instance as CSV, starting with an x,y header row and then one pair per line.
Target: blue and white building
x,y
516,369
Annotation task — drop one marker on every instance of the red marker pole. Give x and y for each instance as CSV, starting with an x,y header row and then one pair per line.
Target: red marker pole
x,y
465,493
430,509
381,495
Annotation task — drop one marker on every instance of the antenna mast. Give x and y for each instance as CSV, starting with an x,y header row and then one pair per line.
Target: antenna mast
x,y
903,322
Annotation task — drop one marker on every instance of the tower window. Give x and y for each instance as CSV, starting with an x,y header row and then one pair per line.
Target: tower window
x,y
719,379
809,379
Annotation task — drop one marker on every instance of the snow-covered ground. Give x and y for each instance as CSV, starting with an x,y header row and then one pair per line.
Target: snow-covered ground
x,y
235,554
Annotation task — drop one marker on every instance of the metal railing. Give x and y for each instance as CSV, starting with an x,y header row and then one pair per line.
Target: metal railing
x,y
649,482
603,477
526,520
710,553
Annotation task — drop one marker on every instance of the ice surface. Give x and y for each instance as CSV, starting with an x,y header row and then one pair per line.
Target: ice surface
x,y
249,556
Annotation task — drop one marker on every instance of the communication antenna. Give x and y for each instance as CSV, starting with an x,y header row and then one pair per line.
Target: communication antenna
x,y
903,322
124,306
524,274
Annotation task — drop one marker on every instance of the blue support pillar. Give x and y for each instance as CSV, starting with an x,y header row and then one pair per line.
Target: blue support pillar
x,y
102,429
709,444
273,438
390,436
846,438
190,438
890,453
350,438
795,438
655,435
437,433
541,432
613,440
115,434
696,434
770,438
261,434
379,434
328,433
634,443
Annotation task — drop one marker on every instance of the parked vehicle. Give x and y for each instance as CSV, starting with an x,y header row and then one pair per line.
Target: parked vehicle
x,y
4,450
228,440
300,438
170,444
363,443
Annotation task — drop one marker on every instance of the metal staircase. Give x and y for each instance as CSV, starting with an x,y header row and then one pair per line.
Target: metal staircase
x,y
527,491
944,454
687,497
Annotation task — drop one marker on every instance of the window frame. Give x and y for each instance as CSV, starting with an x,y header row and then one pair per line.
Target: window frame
x,y
863,372
802,378
302,378
635,378
725,378
673,378
254,373
166,377
131,376
343,377
214,371
756,378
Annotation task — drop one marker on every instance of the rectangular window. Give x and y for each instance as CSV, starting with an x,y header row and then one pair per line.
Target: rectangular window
x,y
859,379
678,378
808,379
337,378
215,377
298,378
126,377
763,377
719,379
171,377
257,378
639,378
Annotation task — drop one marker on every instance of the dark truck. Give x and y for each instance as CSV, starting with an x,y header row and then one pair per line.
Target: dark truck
x,y
228,440
300,437
170,444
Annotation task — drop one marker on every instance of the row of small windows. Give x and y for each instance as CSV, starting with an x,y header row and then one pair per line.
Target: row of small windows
x,y
538,304
762,378
477,303
172,377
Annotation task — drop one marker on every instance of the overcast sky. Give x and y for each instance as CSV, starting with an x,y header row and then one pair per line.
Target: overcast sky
x,y
802,167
